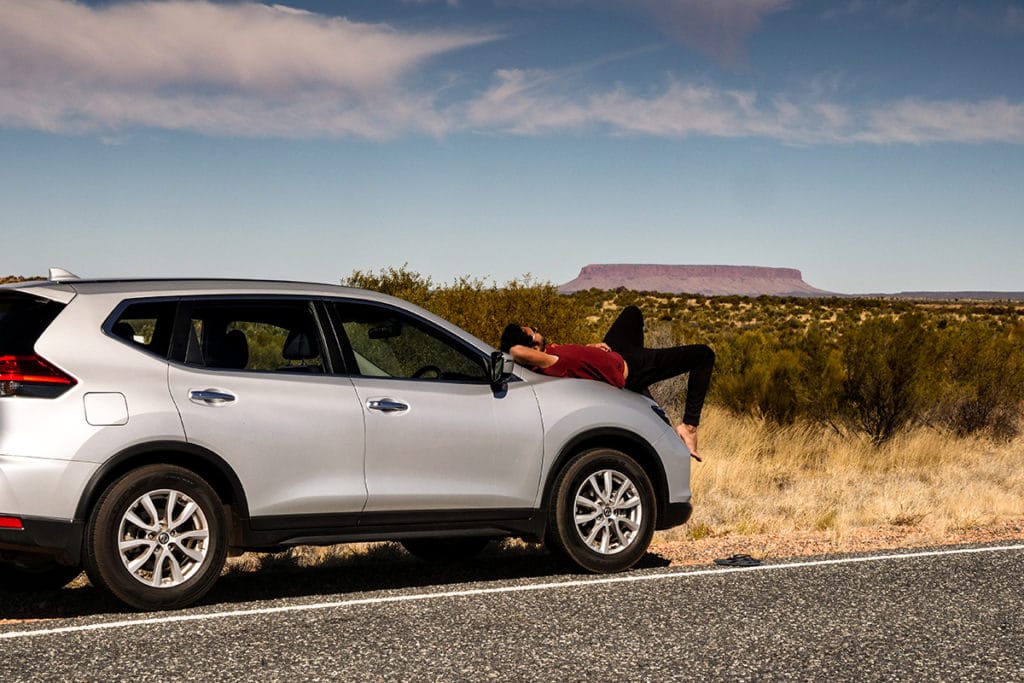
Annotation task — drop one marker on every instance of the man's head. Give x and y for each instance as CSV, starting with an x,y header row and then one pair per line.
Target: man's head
x,y
521,335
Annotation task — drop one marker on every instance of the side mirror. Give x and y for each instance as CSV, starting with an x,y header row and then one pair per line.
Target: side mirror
x,y
501,367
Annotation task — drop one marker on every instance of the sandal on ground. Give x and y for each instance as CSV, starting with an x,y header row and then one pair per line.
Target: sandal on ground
x,y
739,561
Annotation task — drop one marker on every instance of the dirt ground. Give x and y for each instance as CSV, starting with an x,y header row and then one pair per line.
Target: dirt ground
x,y
867,539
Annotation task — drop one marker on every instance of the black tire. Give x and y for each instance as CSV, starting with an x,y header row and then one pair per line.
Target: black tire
x,y
192,542
611,532
35,573
442,550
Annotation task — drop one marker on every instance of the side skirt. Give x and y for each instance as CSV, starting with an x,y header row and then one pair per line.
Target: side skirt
x,y
283,531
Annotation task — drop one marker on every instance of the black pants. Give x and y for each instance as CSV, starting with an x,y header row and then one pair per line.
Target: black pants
x,y
647,366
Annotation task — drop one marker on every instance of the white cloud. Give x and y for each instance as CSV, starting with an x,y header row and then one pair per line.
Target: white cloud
x,y
920,121
541,103
240,68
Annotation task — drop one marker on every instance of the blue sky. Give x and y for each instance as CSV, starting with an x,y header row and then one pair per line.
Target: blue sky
x,y
876,146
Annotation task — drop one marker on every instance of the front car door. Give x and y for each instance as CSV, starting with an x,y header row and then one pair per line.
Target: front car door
x,y
438,436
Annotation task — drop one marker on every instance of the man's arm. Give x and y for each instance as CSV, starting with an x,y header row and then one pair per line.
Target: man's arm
x,y
532,358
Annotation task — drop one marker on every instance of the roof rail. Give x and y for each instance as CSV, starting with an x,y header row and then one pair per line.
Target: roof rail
x,y
61,275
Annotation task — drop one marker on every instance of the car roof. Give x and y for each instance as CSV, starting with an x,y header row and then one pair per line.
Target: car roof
x,y
64,290
193,286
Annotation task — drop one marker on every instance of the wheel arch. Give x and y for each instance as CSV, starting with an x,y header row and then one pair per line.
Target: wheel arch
x,y
623,440
205,463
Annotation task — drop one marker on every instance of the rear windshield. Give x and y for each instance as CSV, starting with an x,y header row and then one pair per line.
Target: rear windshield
x,y
22,320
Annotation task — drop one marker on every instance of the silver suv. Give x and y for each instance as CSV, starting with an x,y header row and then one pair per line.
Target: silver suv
x,y
149,427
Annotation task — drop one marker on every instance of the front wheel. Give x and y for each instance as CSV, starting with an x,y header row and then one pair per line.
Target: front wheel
x,y
602,512
157,538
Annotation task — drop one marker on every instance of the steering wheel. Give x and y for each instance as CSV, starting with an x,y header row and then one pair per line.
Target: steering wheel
x,y
426,369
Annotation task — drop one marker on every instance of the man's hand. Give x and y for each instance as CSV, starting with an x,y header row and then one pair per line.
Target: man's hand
x,y
600,345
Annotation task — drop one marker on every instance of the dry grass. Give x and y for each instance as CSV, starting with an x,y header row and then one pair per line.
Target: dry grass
x,y
759,478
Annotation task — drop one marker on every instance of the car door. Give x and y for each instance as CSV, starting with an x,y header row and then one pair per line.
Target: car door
x,y
255,386
438,436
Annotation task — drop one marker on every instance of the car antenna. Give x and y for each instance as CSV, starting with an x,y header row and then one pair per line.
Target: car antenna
x,y
61,275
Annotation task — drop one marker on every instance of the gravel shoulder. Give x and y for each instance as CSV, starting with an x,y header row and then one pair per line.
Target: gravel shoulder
x,y
799,544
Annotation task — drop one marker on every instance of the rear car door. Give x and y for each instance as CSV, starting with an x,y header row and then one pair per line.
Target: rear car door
x,y
255,384
438,436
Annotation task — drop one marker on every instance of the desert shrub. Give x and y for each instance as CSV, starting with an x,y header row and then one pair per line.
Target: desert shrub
x,y
5,279
400,282
742,371
885,363
780,378
982,382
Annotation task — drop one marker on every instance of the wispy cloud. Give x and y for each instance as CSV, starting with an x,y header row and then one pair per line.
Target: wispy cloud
x,y
240,68
921,121
540,103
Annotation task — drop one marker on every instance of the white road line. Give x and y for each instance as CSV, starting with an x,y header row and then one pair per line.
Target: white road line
x,y
489,591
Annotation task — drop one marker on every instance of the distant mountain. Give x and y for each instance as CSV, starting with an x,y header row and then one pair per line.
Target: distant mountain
x,y
706,280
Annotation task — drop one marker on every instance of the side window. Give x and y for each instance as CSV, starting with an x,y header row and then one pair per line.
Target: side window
x,y
147,325
22,321
258,336
382,342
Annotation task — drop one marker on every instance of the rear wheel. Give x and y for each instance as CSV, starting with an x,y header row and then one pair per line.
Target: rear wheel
x,y
28,573
445,549
602,512
157,538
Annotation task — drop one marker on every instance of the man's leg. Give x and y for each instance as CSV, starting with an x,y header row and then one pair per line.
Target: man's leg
x,y
647,366
627,332
655,365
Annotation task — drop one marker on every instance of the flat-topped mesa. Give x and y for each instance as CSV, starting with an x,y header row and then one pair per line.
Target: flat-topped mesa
x,y
707,280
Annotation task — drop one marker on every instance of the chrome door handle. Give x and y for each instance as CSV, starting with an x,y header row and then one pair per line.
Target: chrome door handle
x,y
386,405
210,397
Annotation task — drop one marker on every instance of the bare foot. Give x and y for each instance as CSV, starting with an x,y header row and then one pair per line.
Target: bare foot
x,y
688,433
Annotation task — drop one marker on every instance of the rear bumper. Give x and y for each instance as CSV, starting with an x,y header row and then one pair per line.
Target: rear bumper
x,y
675,514
61,539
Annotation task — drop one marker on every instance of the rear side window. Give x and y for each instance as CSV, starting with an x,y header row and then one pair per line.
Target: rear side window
x,y
146,324
257,336
22,321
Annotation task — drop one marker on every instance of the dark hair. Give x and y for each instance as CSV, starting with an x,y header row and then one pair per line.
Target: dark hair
x,y
513,335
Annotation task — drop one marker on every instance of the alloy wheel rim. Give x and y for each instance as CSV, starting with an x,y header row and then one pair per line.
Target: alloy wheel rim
x,y
608,512
163,539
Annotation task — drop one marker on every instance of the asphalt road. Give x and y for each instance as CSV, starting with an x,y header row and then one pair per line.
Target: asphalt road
x,y
948,614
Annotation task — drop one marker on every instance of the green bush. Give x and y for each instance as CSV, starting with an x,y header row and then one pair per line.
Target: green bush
x,y
885,363
982,384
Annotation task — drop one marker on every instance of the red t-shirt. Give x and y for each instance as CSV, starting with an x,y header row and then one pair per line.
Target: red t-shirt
x,y
586,362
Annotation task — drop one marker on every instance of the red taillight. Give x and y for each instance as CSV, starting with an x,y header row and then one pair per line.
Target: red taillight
x,y
10,523
30,371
